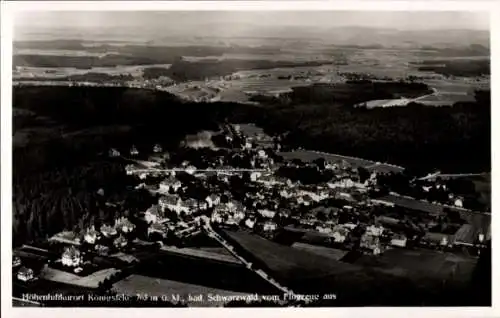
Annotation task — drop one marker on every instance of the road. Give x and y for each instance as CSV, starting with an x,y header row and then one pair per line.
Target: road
x,y
211,233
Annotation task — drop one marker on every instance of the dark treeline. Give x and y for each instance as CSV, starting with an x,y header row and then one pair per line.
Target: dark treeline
x,y
126,54
416,136
88,77
458,67
355,91
79,62
154,72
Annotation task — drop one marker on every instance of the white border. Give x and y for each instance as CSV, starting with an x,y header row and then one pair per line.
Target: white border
x,y
354,5
8,8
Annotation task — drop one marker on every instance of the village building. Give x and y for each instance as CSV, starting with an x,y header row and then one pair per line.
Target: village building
x,y
91,235
269,226
219,215
130,169
157,148
170,183
25,274
16,261
169,201
212,200
287,194
124,225
399,241
101,249
134,151
238,216
267,213
255,175
458,203
190,169
250,223
305,200
350,226
371,243
120,242
108,230
114,153
339,236
71,257
154,215
374,230
158,228
436,239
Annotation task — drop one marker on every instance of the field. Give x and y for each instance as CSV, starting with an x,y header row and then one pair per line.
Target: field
x,y
414,204
418,262
138,284
206,253
135,71
91,281
384,168
354,285
286,261
480,222
329,252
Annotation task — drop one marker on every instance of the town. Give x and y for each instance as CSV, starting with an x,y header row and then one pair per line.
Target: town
x,y
246,181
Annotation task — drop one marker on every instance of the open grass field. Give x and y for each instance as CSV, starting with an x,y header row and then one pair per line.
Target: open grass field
x,y
202,253
328,252
285,261
368,284
384,168
422,262
54,72
308,156
138,284
91,281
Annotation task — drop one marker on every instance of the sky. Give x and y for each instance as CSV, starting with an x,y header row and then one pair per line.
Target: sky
x,y
412,20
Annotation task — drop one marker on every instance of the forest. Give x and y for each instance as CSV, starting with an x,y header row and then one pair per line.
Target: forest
x,y
417,137
184,70
457,67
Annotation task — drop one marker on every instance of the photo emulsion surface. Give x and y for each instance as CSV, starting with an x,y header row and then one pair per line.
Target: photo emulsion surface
x,y
251,159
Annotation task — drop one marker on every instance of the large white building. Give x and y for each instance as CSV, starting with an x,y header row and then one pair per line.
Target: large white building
x,y
71,257
25,274
91,235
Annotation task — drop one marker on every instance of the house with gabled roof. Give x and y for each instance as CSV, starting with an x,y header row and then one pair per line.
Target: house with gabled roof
x,y
124,225
71,256
170,183
212,200
108,230
91,235
154,214
25,274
